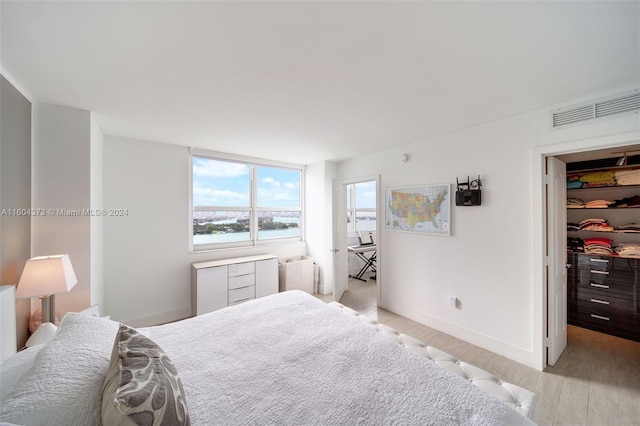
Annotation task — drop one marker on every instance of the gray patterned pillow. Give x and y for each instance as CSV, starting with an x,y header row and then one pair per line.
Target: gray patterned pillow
x,y
142,386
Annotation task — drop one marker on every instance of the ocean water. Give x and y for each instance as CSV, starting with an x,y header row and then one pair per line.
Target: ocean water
x,y
233,237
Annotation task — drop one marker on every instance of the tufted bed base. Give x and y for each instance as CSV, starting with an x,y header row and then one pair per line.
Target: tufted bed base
x,y
519,398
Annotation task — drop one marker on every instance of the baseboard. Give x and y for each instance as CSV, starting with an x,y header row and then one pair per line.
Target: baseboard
x,y
486,342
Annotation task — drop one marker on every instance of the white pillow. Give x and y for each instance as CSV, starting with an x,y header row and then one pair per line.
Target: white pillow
x,y
42,335
12,369
91,310
64,385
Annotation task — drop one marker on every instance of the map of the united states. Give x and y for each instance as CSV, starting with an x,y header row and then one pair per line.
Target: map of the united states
x,y
419,209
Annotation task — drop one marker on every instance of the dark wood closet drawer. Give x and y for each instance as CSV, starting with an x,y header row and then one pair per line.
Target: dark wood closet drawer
x,y
605,269
617,325
604,301
608,289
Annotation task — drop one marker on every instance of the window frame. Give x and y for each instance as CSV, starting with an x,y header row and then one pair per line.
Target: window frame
x,y
253,208
353,210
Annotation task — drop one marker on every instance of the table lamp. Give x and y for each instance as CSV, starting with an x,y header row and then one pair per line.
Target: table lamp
x,y
43,277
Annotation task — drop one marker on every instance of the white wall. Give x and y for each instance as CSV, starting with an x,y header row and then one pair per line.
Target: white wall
x,y
318,219
488,261
147,263
96,221
61,179
485,260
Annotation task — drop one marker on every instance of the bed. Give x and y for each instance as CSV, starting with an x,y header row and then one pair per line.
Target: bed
x,y
285,359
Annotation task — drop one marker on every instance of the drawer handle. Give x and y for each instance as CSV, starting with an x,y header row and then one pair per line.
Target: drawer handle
x,y
600,260
599,285
244,286
599,317
600,272
604,302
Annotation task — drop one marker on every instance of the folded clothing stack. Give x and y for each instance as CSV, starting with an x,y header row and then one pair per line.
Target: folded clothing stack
x,y
575,244
630,227
598,246
628,250
628,177
626,202
598,204
573,182
596,179
594,224
575,203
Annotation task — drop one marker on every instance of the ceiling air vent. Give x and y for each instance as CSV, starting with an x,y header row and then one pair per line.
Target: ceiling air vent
x,y
605,108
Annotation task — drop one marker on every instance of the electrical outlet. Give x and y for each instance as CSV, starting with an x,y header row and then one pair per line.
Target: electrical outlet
x,y
453,301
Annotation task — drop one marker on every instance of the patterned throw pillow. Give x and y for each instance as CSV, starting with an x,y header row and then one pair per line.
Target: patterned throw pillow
x,y
142,386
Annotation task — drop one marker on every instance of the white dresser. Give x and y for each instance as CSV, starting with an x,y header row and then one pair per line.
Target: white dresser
x,y
220,283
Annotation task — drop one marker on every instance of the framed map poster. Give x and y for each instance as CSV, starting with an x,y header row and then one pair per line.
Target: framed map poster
x,y
422,209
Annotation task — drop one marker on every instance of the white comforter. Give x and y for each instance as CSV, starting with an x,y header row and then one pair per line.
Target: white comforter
x,y
288,359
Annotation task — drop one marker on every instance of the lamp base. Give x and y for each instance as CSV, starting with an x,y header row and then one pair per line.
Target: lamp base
x,y
48,308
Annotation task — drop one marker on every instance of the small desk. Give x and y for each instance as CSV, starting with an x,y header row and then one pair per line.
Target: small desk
x,y
369,262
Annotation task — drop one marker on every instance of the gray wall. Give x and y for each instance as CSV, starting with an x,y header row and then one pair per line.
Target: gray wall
x,y
62,181
15,193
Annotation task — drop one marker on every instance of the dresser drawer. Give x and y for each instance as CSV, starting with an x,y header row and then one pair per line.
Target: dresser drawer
x,y
236,269
243,293
240,301
216,284
242,281
605,268
607,289
611,322
599,300
613,314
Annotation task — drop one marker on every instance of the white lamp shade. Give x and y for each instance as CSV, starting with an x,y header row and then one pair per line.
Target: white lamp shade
x,y
46,275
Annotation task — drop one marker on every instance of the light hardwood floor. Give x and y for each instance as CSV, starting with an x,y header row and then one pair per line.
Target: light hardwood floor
x,y
596,381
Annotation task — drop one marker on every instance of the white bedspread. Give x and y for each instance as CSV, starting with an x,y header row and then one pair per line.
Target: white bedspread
x,y
288,359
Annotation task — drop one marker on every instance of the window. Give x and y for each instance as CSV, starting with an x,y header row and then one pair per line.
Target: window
x,y
361,207
238,204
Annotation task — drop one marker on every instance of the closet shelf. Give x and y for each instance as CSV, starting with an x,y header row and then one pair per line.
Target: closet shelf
x,y
602,169
602,208
607,187
616,255
615,231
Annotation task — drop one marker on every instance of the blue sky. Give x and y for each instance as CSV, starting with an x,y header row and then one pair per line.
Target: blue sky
x,y
366,195
227,184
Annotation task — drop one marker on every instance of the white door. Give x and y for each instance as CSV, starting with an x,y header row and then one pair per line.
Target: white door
x,y
340,265
557,259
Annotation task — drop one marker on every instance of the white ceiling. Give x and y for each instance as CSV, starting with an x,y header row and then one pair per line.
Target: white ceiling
x,y
309,81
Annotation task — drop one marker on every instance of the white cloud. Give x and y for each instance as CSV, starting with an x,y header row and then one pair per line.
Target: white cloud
x,y
278,196
212,168
290,185
271,181
215,197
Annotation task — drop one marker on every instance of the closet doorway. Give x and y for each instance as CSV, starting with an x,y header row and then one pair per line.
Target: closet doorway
x,y
555,244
